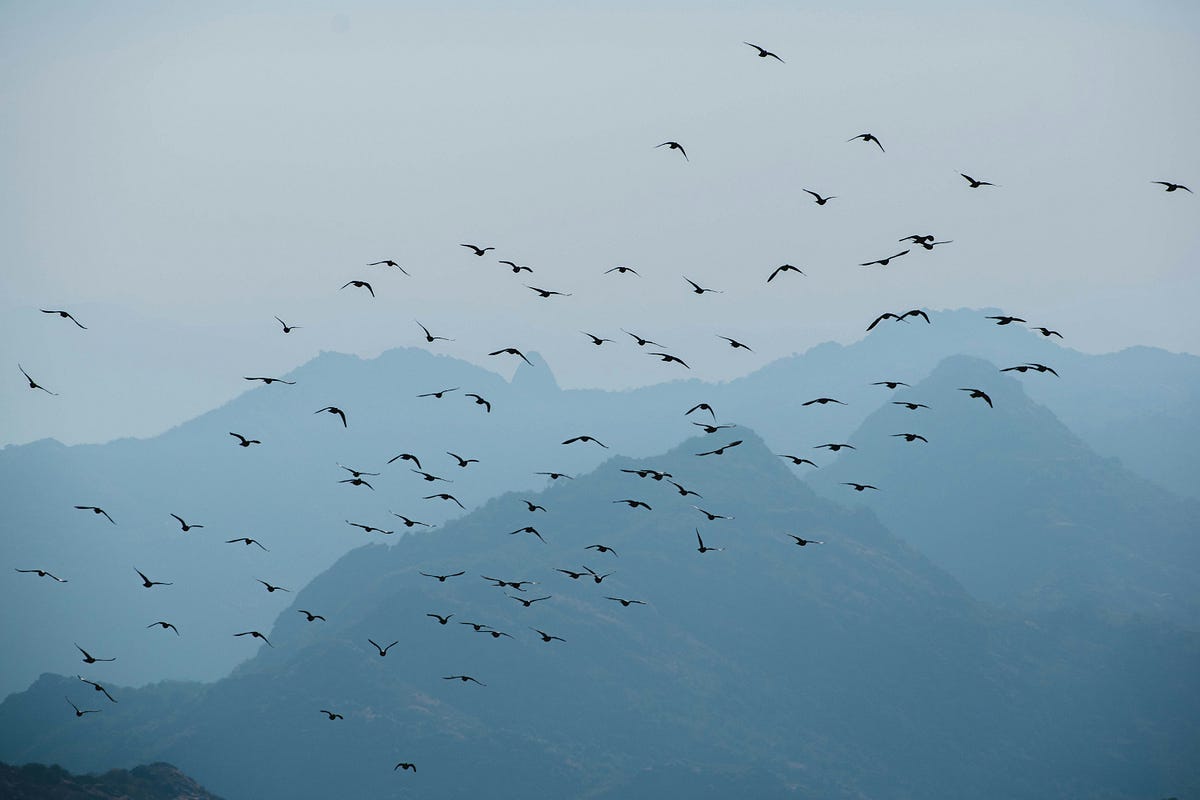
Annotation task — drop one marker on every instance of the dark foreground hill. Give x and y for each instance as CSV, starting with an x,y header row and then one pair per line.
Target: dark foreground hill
x,y
151,782
849,669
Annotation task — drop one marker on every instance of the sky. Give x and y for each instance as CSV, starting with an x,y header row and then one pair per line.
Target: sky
x,y
177,175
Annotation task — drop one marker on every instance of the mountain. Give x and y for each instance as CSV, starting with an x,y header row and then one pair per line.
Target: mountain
x,y
853,668
1017,507
151,782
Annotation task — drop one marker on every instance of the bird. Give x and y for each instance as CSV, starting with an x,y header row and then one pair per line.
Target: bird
x,y
516,268
357,473
441,620
360,285
701,407
88,658
783,268
820,200
429,337
464,679
500,583
444,496
368,528
882,317
243,441
555,475
720,451
269,381
930,245
674,146
684,492
979,393
596,576
439,395
834,447
479,251
601,548
407,456
909,406
883,262
430,477
764,53
334,410
910,437
802,542
527,529
43,573
649,473
528,603
80,712
147,583
641,342
596,340
823,401
358,482
442,578
479,401
96,510
309,616
387,262
405,765
1043,368
97,687
668,359
916,312
634,504
627,603
533,506
332,716
478,626
867,137
185,527
585,438
462,462
408,523
271,588
974,183
246,540
572,574
1005,320
34,384
164,626
704,548
621,270
1047,332
383,651
255,635
547,637
511,351
1173,186
64,315
734,343
287,328
890,384
547,292
917,238
698,289
710,428
858,487
796,460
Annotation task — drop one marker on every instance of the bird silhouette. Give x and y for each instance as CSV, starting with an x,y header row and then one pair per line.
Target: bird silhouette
x,y
783,268
332,716
858,487
684,492
34,384
701,407
405,765
710,428
246,540
890,384
464,679
547,637
674,146
511,351
601,548
649,473
97,687
271,588
462,462
764,53
408,523
309,616
802,542
734,343
369,528
479,401
698,289
269,381
823,401
634,504
1005,320
720,451
334,410
185,527
64,315
820,200
518,268
96,510
88,658
444,496
528,529
383,651
641,342
882,317
478,626
439,395
911,437
627,603
596,576
533,506
555,475
980,394
147,583
883,262
703,548
621,270
479,251
255,635
909,406
357,473
442,578
916,312
360,285
408,456
668,359
930,245
164,626
429,337
80,712
867,137
429,476
441,620
974,183
358,482
596,340
501,583
1171,187
834,447
585,438
1043,368
796,460
572,574
547,292
243,441
387,262
528,603
287,328
1047,332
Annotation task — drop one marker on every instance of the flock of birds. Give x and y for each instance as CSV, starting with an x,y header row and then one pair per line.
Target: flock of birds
x,y
359,478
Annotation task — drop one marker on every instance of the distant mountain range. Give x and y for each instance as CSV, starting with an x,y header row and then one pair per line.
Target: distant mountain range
x,y
852,668
286,492
152,782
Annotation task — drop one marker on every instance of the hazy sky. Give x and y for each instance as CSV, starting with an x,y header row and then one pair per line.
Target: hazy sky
x,y
178,174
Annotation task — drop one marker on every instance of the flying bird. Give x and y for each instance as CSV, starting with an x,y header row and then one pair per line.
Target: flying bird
x,y
883,262
528,603
243,441
701,407
64,315
783,268
867,137
547,292
1047,332
734,343
627,603
572,574
407,456
684,492
909,406
1005,320
698,289
332,716
511,351
1173,186
272,588
547,637
183,525
88,658
96,510
710,428
1043,368
516,268
444,496
882,317
596,340
360,285
979,394
357,473
640,341
405,765
358,482
462,462
442,578
890,384
441,620
527,529
834,447
668,359
858,487
464,679
555,475
439,395
823,401
79,712
97,687
368,528
430,477
533,506
269,381
585,438
408,523
246,540
287,328
764,53
596,576
634,504
34,384
255,635
720,451
601,548
479,401
910,437
309,616
387,262
383,651
429,337
477,250
334,410
802,542
674,146
147,583
164,626
621,270
796,460
820,200
974,183
704,548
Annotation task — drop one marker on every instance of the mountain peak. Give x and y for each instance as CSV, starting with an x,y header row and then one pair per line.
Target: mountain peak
x,y
535,376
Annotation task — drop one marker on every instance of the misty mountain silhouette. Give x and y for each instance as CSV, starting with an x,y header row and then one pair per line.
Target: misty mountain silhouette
x,y
855,668
150,782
